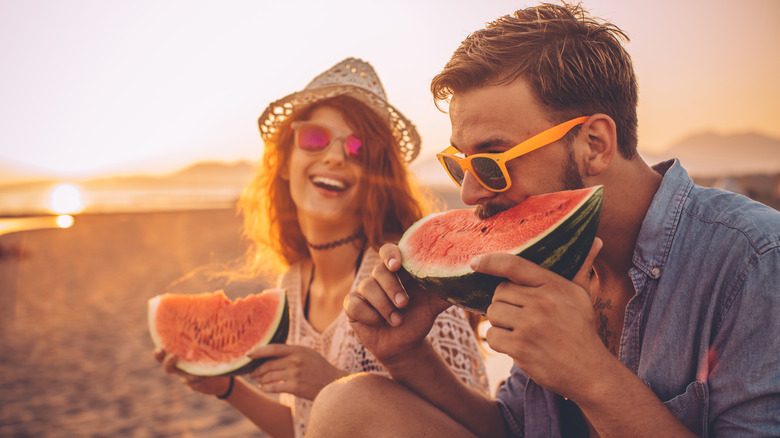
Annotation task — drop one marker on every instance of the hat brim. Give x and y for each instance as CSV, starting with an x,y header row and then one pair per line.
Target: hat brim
x,y
404,131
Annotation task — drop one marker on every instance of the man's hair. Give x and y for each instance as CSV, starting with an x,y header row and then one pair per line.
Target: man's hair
x,y
575,65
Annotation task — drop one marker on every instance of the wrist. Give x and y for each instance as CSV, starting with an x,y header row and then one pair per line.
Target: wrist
x,y
409,361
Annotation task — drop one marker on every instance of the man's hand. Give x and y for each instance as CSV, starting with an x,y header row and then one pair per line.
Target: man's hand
x,y
543,321
388,318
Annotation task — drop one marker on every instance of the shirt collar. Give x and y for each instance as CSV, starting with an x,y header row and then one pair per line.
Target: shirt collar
x,y
660,223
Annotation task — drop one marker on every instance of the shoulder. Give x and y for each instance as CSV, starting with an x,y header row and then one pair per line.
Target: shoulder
x,y
291,279
734,217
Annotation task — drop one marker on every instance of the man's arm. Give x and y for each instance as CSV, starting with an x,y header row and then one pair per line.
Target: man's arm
x,y
547,325
392,323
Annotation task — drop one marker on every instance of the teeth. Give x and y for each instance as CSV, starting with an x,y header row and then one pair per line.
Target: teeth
x,y
330,182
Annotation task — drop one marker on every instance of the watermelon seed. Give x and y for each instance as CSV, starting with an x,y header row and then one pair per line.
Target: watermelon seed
x,y
484,229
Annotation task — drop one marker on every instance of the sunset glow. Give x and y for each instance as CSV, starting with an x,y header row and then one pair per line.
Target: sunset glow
x,y
64,221
94,88
66,198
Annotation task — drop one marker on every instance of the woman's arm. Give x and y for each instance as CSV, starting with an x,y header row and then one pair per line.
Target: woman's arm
x,y
266,413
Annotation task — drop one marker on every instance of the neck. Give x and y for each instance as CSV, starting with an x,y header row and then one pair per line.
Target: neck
x,y
335,243
629,191
335,265
333,275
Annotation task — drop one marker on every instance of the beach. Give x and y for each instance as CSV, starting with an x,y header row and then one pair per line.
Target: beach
x,y
76,357
75,352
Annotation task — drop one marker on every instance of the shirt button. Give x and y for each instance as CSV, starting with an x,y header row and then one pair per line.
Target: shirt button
x,y
656,271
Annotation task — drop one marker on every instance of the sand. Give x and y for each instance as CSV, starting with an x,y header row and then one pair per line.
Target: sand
x,y
75,354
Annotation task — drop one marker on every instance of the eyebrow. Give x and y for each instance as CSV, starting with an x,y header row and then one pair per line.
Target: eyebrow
x,y
483,147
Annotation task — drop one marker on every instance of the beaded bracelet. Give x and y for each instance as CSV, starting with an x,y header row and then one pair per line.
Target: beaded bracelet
x,y
229,390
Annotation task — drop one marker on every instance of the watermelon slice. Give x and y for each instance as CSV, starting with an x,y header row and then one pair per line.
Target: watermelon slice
x,y
211,335
554,230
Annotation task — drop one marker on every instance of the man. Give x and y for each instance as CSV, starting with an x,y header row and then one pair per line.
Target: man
x,y
670,328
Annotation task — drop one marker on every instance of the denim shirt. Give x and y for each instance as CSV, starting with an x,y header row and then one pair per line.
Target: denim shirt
x,y
702,330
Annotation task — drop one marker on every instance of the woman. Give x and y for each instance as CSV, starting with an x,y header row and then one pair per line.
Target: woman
x,y
332,188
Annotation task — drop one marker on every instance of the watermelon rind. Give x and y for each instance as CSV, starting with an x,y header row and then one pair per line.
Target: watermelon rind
x,y
562,248
238,366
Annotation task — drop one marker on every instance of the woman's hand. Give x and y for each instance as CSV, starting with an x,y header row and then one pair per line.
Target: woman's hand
x,y
201,384
293,369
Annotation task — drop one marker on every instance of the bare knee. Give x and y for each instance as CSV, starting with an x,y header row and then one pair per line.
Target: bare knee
x,y
347,407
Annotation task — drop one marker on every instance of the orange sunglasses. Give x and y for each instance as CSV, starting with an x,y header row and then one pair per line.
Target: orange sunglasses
x,y
490,169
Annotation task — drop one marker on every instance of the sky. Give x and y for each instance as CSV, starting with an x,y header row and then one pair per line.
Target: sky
x,y
93,88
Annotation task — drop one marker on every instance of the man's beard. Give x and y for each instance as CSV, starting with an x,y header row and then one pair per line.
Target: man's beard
x,y
489,209
570,180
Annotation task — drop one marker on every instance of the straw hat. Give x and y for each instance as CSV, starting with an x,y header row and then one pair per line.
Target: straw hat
x,y
353,77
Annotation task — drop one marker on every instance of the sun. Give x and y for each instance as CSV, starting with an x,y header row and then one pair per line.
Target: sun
x,y
66,198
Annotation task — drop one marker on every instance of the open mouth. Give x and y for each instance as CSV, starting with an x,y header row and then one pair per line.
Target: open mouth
x,y
329,183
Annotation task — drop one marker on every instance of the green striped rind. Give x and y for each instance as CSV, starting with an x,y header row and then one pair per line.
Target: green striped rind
x,y
562,250
279,337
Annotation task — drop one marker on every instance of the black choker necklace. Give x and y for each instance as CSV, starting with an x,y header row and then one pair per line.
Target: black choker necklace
x,y
335,243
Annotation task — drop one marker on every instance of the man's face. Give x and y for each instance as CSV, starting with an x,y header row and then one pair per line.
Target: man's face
x,y
493,119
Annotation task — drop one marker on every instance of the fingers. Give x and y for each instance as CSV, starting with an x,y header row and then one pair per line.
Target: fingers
x,y
159,354
267,377
270,350
501,313
371,306
169,364
377,299
391,256
386,276
515,269
583,276
498,337
521,271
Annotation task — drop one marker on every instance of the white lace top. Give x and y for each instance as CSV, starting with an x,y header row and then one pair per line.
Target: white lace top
x,y
451,336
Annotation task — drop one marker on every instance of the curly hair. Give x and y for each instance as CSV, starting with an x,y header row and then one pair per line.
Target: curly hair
x,y
575,65
389,200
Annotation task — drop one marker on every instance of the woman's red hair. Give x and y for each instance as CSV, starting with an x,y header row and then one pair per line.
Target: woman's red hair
x,y
390,201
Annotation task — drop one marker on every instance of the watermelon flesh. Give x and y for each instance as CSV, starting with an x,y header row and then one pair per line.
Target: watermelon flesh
x,y
554,230
211,335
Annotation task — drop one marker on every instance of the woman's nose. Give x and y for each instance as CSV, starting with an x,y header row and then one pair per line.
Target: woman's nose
x,y
335,151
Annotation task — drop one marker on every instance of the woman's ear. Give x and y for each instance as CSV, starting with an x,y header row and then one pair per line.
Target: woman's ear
x,y
600,136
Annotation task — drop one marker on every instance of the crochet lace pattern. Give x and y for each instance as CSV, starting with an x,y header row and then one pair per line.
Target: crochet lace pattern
x,y
451,336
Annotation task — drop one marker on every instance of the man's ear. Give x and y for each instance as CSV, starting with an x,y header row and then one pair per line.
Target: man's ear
x,y
600,137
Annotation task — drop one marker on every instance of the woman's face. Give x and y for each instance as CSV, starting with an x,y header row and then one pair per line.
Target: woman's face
x,y
324,184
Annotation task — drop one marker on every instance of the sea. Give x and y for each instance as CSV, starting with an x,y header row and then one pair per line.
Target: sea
x,y
26,207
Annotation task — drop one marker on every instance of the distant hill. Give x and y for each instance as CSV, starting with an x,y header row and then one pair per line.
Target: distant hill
x,y
205,173
747,163
715,155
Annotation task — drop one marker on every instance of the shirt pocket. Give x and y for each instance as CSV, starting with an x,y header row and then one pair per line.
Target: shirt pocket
x,y
691,407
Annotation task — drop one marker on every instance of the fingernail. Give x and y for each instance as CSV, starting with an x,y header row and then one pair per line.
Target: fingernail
x,y
474,263
395,319
392,263
400,298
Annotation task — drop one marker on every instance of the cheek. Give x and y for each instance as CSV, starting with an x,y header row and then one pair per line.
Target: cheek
x,y
296,167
